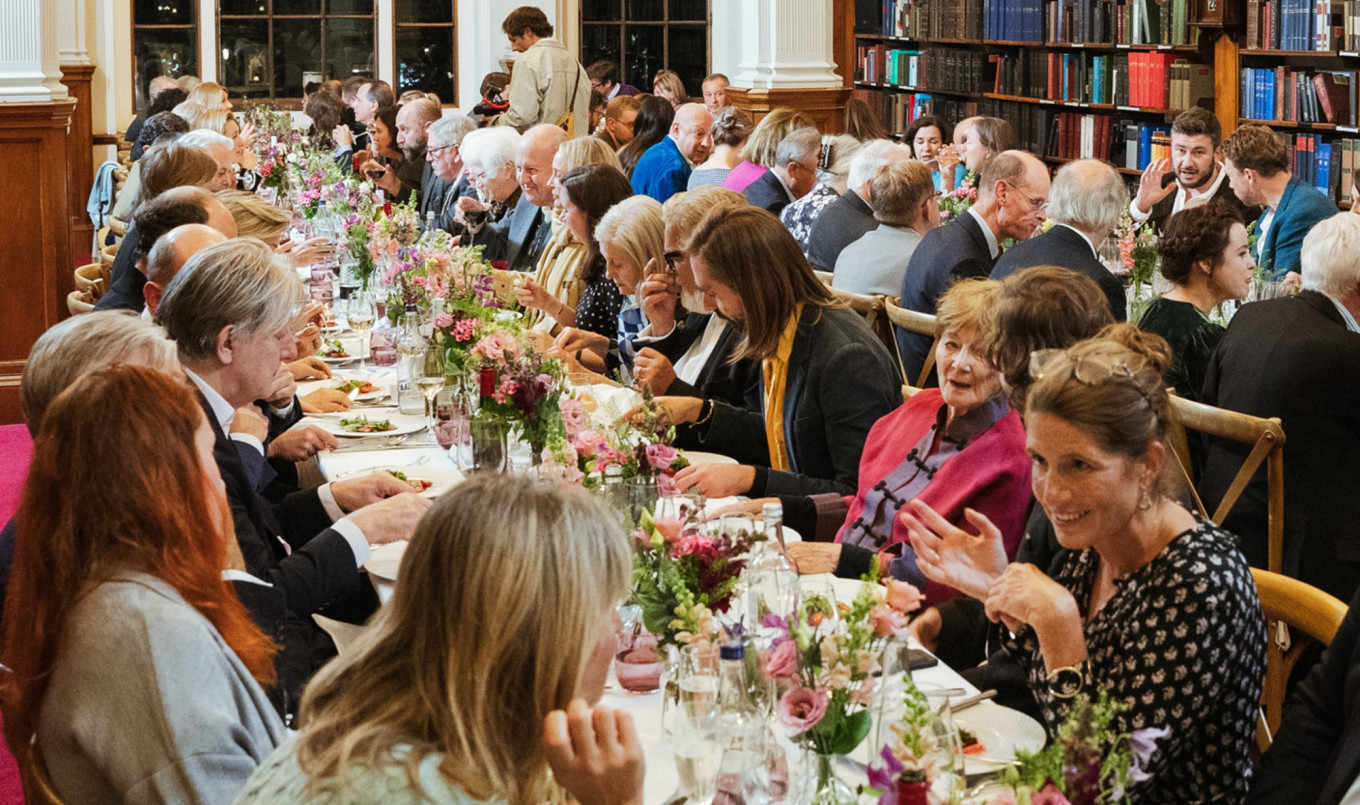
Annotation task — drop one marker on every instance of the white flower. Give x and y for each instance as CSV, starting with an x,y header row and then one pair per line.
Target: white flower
x,y
292,158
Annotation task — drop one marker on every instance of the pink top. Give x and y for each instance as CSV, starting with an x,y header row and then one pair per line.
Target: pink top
x,y
744,174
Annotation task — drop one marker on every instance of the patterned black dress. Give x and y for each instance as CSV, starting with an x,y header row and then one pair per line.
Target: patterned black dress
x,y
1182,644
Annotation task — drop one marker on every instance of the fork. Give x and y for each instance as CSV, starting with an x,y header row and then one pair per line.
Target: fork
x,y
373,443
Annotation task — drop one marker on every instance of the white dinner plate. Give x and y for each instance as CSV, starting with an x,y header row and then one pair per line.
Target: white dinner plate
x,y
382,391
1001,731
444,478
700,457
405,423
386,560
351,346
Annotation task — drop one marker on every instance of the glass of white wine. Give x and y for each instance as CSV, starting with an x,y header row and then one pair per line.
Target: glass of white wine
x,y
362,314
430,386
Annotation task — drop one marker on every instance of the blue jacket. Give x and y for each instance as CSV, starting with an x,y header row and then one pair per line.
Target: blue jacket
x,y
661,171
1300,207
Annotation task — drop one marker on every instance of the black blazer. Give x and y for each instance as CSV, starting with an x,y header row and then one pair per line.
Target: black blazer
x,y
957,250
841,380
768,193
1316,754
518,237
843,222
1064,246
737,384
125,280
1294,358
1161,211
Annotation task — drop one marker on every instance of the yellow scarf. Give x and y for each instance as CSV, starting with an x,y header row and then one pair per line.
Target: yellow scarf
x,y
775,372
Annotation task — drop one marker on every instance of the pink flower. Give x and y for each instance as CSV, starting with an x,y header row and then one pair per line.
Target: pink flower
x,y
782,663
705,548
862,694
665,486
497,346
903,596
442,320
661,456
465,330
505,390
802,708
587,443
669,528
887,621
1049,795
573,416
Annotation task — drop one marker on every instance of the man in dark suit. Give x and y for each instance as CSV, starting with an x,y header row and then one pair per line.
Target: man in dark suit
x,y
849,218
1012,198
794,173
407,180
1295,358
229,310
1195,176
446,181
525,230
1086,202
1258,165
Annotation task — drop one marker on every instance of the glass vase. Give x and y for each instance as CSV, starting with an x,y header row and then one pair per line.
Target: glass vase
x,y
830,790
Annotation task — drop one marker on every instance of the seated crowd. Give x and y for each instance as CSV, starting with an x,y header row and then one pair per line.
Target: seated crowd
x,y
677,244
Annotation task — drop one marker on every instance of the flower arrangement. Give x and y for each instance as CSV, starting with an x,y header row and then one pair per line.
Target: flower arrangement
x,y
957,201
519,386
641,445
1138,254
912,755
827,663
1090,761
275,139
682,581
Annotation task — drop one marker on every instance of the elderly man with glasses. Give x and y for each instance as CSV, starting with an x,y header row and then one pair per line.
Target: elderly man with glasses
x,y
445,180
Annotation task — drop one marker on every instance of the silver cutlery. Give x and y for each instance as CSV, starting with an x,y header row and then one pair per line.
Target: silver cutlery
x,y
963,704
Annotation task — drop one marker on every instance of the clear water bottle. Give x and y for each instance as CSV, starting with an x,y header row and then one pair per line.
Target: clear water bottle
x,y
751,758
411,356
772,577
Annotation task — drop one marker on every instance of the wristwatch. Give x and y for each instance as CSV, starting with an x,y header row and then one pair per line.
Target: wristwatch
x,y
1066,682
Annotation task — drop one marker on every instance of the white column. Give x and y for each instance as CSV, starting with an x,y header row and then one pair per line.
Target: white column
x,y
72,47
28,52
774,44
481,45
209,51
386,55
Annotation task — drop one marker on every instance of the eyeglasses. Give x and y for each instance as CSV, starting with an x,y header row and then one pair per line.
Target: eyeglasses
x,y
596,85
672,260
1089,370
1034,203
438,149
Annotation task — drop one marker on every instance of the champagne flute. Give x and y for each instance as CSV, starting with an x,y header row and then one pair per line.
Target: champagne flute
x,y
430,386
362,315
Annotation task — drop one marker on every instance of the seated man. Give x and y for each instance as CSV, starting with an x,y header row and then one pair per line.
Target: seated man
x,y
1197,175
664,169
1085,204
848,218
902,196
408,179
794,173
445,179
524,231
228,311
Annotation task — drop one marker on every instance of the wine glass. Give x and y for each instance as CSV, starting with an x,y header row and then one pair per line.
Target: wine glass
x,y
362,315
430,385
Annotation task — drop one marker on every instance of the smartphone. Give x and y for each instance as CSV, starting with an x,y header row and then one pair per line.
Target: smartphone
x,y
916,659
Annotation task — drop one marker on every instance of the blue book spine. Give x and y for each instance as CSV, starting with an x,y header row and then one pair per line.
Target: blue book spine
x,y
1324,183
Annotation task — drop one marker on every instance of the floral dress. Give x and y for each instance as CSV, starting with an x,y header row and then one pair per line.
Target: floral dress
x,y
1182,644
799,215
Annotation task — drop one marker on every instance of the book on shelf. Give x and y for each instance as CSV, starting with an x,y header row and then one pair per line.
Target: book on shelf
x,y
1295,24
1350,26
1288,95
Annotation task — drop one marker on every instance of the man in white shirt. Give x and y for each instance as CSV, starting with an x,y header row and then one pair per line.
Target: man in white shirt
x,y
1191,177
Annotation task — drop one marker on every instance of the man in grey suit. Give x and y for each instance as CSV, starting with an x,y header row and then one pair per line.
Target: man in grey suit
x,y
446,181
848,218
903,199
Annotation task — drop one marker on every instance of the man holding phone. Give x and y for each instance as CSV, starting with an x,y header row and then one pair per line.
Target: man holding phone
x,y
1191,177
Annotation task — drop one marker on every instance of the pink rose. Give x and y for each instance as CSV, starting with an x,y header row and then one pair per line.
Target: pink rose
x,y
903,596
588,443
573,415
802,708
705,548
782,663
661,456
665,486
887,622
442,320
497,346
669,528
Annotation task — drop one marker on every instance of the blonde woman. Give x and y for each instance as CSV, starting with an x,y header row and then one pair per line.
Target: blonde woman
x,y
559,279
193,112
224,122
667,84
211,95
257,218
476,678
758,154
632,241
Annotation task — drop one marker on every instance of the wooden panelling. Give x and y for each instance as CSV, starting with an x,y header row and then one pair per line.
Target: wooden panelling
x,y
80,149
826,106
35,262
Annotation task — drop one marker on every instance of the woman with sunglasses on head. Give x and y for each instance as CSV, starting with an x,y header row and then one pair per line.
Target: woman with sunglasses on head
x,y
1148,605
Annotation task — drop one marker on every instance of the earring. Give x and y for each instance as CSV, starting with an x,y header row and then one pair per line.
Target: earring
x,y
1146,502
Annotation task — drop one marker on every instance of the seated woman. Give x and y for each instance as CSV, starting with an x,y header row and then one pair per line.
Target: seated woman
x,y
758,155
386,160
959,447
827,378
630,237
976,139
503,618
925,137
559,278
731,127
652,124
257,218
489,161
833,178
1150,606
118,622
1204,254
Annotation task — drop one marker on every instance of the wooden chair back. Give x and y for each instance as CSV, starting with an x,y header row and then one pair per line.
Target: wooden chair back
x,y
909,391
39,789
107,254
1266,438
871,308
78,302
916,322
93,279
118,226
824,276
1297,616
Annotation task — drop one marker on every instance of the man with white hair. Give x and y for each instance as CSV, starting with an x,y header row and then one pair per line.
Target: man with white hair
x,y
663,170
849,218
445,180
223,150
524,231
1295,358
1086,201
794,173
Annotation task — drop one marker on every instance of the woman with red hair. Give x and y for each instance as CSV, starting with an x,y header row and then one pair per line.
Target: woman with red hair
x,y
135,673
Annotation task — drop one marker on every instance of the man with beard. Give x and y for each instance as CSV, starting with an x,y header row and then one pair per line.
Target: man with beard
x,y
1196,176
412,121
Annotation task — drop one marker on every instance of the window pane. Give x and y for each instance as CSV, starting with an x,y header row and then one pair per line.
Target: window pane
x,y
297,50
603,10
422,11
312,7
349,48
244,8
425,61
645,9
163,12
645,54
600,43
689,55
689,10
353,8
164,51
245,57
